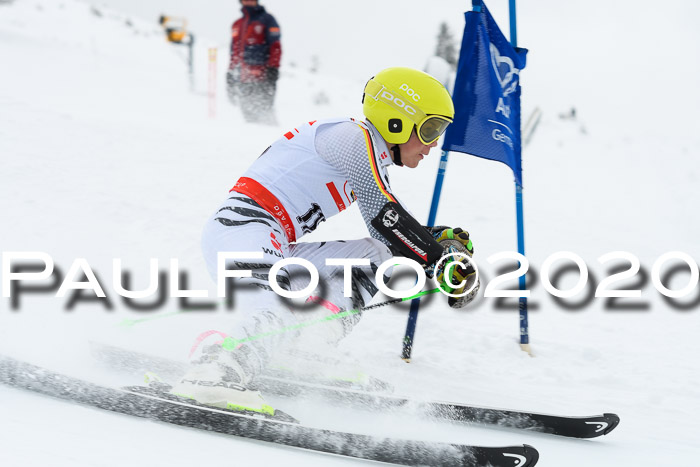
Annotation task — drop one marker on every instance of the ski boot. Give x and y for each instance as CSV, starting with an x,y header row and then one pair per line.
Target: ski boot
x,y
217,379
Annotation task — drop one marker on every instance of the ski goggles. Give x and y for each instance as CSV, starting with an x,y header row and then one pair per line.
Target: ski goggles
x,y
431,128
428,127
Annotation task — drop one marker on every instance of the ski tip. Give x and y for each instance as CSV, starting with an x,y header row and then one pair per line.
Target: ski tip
x,y
599,425
510,456
613,420
532,456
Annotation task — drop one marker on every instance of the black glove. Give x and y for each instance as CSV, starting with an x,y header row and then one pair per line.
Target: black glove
x,y
273,75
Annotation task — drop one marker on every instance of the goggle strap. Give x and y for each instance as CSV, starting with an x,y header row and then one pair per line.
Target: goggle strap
x,y
373,85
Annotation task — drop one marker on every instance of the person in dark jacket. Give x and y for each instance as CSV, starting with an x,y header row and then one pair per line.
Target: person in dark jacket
x,y
255,60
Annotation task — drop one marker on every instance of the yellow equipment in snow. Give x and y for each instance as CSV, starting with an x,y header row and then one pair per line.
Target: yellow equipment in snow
x,y
175,28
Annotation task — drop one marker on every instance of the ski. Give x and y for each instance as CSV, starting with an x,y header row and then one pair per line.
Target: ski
x,y
560,425
278,383
153,404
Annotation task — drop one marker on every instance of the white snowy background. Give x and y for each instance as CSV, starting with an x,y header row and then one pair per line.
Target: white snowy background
x,y
106,152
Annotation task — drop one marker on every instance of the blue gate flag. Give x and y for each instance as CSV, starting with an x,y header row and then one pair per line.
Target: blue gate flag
x,y
487,94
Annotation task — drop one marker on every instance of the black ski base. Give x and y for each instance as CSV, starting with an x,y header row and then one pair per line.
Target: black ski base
x,y
156,406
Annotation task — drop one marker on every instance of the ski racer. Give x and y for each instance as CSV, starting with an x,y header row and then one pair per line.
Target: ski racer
x,y
255,60
311,173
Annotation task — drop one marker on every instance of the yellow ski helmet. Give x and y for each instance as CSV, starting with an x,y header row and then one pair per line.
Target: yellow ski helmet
x,y
397,99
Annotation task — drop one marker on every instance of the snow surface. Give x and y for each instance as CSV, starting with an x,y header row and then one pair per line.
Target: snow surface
x,y
107,153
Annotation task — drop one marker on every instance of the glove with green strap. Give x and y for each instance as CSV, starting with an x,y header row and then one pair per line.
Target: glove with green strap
x,y
455,273
442,232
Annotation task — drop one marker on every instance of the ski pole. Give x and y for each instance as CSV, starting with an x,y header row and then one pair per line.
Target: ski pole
x,y
128,322
230,343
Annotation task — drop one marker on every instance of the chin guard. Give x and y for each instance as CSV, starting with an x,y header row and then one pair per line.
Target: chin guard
x,y
406,235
